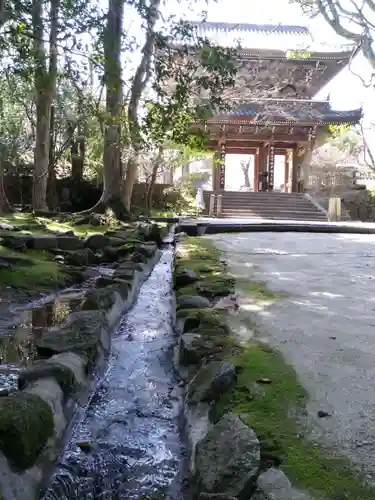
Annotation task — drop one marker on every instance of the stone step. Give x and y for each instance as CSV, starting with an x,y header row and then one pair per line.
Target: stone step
x,y
245,215
297,205
265,210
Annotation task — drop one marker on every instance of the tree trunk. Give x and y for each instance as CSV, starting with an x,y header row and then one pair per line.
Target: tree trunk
x,y
5,206
52,199
140,80
150,188
112,196
45,86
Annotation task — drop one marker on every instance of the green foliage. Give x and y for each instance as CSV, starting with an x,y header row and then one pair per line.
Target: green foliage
x,y
188,83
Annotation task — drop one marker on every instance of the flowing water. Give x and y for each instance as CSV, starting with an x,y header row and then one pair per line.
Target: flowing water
x,y
127,446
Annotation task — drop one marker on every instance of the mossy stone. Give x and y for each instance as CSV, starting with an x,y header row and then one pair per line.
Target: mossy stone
x,y
206,322
45,369
26,423
80,334
216,286
98,299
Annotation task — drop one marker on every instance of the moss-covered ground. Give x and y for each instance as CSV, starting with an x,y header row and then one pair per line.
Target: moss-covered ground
x,y
270,398
37,270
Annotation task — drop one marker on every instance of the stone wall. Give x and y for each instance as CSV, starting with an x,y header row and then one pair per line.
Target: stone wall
x,y
75,196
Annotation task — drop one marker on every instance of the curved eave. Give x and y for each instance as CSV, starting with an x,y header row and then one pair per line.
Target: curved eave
x,y
289,123
247,53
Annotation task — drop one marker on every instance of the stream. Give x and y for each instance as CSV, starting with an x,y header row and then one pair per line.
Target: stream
x,y
127,446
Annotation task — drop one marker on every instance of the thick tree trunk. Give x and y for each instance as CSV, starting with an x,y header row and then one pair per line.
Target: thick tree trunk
x,y
112,196
140,80
45,85
5,206
52,198
154,173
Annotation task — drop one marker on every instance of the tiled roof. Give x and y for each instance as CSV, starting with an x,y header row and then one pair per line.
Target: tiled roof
x,y
267,36
257,28
293,112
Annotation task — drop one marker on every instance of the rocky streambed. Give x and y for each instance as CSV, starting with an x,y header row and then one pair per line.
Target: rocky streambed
x,y
127,446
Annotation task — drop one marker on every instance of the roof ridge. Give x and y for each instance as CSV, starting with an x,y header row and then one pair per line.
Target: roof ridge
x,y
267,27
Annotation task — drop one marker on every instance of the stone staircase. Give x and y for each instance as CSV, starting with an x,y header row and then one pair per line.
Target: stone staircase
x,y
266,205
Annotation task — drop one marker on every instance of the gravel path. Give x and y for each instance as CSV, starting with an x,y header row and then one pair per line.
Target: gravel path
x,y
325,328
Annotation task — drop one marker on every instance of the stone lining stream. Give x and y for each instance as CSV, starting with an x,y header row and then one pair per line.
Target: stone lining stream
x,y
127,445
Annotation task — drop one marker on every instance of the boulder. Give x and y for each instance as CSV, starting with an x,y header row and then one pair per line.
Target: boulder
x,y
227,459
220,286
98,299
82,332
212,380
96,241
26,423
193,348
18,243
69,242
84,257
47,369
91,219
43,242
274,485
192,302
214,496
183,277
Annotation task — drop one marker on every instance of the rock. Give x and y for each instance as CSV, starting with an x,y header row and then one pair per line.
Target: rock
x,y
109,254
183,277
192,302
84,446
91,219
214,496
46,369
323,414
274,485
26,423
100,298
83,332
220,286
193,348
84,257
96,241
227,459
43,242
212,380
206,322
18,243
69,242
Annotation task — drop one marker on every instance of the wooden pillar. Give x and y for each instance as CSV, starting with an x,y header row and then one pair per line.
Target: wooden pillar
x,y
215,172
295,170
256,171
222,166
286,172
289,155
263,158
271,166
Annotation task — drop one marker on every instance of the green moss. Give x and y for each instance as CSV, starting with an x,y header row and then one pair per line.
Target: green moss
x,y
206,322
63,375
32,269
257,290
26,423
269,410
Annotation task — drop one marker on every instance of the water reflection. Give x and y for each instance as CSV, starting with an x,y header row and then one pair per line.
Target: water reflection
x,y
17,343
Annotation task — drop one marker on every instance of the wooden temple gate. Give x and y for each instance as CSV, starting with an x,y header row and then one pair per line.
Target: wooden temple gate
x,y
273,110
